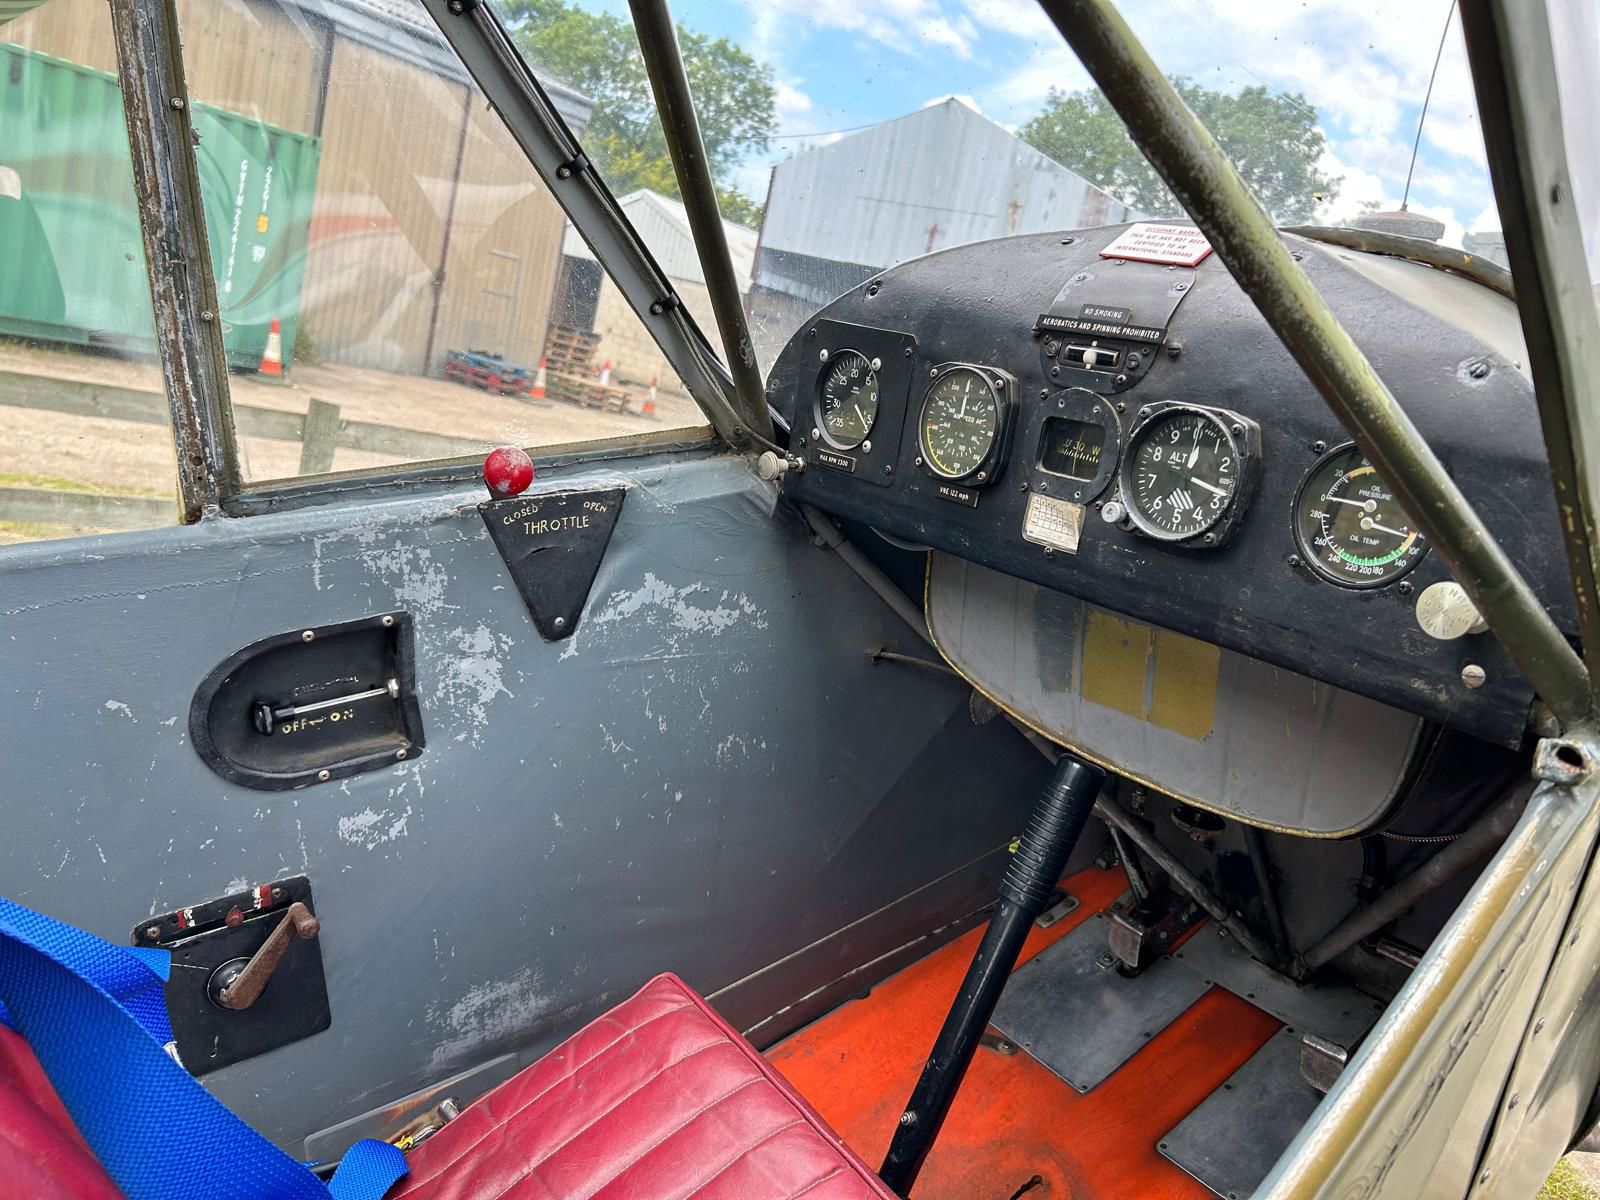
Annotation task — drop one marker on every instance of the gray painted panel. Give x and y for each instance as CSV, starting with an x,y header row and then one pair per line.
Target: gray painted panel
x,y
708,777
1282,750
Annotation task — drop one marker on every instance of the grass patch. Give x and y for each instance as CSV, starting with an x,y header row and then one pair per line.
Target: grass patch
x,y
50,483
12,532
1566,1184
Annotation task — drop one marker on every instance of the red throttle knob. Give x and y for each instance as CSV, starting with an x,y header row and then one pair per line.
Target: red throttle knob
x,y
508,471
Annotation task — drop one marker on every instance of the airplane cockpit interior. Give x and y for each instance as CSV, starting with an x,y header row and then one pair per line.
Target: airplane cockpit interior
x,y
944,599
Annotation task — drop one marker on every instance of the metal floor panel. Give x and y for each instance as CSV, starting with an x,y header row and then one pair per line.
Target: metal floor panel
x,y
1233,1139
1083,1020
1340,1014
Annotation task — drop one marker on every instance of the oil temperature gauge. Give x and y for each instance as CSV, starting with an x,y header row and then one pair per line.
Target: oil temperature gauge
x,y
1350,528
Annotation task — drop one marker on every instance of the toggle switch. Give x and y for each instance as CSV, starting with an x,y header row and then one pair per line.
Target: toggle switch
x,y
265,714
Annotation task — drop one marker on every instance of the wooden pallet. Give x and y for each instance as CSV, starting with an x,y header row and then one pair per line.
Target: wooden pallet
x,y
571,374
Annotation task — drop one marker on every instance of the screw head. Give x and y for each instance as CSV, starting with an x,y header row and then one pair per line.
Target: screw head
x,y
866,446
877,364
983,476
559,622
908,351
324,775
308,635
152,932
1318,446
1236,429
387,622
908,1119
1406,587
823,355
177,102
1294,560
1174,349
400,753
1479,370
888,468
457,7
917,461
1210,539
816,433
1473,676
207,315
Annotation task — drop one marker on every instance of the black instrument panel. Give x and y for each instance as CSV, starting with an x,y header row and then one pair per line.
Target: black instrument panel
x,y
1135,435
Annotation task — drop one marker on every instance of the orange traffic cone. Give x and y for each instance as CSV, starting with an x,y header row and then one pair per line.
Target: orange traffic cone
x,y
649,408
536,392
272,356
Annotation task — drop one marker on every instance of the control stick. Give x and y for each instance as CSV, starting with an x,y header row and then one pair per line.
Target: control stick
x,y
1030,878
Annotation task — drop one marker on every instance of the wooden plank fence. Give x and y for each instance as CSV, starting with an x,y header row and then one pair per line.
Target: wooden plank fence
x,y
320,431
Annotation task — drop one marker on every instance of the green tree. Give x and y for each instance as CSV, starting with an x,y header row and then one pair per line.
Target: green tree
x,y
1272,138
598,54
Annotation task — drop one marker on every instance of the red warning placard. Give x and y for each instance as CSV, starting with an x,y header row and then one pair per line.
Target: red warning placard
x,y
1170,245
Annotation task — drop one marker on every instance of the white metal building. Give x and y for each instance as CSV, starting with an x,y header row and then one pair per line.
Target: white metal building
x,y
941,177
664,226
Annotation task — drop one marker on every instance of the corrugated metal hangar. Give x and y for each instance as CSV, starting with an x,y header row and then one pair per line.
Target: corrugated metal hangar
x,y
839,213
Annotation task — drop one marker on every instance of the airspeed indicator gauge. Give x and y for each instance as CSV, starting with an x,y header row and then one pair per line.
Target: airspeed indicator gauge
x,y
1186,472
1350,528
847,399
962,425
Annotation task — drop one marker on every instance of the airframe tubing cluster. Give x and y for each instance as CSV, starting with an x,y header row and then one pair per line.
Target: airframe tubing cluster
x,y
1211,190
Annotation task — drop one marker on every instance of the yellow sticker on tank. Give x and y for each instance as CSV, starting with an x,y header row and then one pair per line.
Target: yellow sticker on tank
x,y
1151,674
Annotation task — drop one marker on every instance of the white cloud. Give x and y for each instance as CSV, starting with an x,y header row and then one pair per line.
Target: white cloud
x,y
790,99
906,26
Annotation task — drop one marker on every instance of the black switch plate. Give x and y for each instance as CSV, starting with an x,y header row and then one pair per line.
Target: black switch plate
x,y
205,936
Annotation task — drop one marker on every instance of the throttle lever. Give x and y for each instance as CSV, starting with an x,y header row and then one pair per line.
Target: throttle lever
x,y
238,984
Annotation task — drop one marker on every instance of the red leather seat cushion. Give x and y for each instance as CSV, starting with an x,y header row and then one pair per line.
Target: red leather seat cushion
x,y
659,1099
41,1153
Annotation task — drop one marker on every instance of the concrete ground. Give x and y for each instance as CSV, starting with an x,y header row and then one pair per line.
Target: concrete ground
x,y
105,455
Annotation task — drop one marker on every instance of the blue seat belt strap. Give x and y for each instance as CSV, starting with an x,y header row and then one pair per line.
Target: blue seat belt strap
x,y
95,1016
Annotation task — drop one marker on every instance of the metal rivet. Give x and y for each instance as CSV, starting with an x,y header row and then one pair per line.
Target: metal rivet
x,y
816,433
324,775
1294,560
388,621
400,753
657,308
866,446
559,622
308,635
823,355
207,315
177,102
877,364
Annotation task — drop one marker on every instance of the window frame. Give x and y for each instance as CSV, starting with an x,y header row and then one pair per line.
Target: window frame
x,y
189,345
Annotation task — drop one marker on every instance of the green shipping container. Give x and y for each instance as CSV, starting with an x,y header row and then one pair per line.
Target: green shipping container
x,y
71,258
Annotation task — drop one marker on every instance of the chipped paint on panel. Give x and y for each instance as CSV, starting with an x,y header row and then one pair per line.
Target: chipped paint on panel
x,y
488,1013
370,828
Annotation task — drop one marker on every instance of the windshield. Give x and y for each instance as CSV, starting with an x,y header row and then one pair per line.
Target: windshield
x,y
849,137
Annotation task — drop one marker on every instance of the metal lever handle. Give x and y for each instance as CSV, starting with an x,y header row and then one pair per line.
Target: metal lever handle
x,y
240,987
266,714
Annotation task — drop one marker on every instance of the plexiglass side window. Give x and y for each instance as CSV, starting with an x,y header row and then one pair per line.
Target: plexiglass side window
x,y
396,283
87,445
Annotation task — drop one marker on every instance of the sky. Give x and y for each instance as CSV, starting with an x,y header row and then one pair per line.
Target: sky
x,y
1363,64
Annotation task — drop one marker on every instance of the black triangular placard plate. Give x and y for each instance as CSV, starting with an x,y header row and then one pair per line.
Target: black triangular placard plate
x,y
552,544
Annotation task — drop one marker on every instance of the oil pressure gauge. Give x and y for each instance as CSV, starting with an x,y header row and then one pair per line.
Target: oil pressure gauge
x,y
1351,530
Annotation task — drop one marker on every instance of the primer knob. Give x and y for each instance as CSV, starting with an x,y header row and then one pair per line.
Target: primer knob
x,y
1446,612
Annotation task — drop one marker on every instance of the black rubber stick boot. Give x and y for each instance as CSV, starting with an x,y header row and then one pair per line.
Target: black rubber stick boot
x,y
1031,876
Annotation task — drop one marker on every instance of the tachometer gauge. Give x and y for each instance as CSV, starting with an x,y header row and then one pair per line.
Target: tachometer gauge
x,y
1350,528
962,419
1182,471
847,399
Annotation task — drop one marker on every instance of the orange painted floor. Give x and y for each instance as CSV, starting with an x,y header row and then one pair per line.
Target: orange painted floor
x,y
1013,1119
